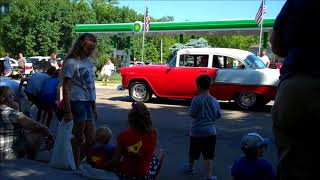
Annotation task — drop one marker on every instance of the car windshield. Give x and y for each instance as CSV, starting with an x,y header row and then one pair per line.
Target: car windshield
x,y
172,62
254,62
32,60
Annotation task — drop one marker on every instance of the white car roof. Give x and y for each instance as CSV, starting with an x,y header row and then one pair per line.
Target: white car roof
x,y
242,54
10,59
39,57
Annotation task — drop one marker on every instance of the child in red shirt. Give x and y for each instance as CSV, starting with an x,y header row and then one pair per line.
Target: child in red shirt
x,y
136,145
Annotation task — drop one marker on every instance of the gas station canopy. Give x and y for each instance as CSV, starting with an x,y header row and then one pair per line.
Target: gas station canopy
x,y
172,28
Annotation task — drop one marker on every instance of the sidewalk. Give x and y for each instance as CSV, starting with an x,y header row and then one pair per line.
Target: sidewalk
x,y
105,85
33,170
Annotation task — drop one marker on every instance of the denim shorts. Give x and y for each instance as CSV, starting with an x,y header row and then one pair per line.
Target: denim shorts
x,y
82,111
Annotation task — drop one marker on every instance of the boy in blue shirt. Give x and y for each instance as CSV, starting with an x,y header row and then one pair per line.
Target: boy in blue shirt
x,y
204,110
103,150
251,166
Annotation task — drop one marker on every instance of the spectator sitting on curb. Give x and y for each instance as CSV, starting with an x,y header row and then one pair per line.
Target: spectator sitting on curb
x,y
103,150
19,95
133,158
13,142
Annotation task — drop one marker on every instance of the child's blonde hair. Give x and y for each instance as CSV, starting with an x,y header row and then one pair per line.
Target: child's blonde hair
x,y
103,135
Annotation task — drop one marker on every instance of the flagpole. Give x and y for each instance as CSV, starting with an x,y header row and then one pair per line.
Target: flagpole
x,y
161,49
261,27
144,30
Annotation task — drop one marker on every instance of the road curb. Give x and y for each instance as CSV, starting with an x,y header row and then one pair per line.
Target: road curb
x,y
110,86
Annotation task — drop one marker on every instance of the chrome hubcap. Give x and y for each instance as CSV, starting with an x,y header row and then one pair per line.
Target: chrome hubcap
x,y
248,99
139,91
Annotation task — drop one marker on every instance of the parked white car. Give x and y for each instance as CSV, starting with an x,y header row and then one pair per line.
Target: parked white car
x,y
14,65
40,63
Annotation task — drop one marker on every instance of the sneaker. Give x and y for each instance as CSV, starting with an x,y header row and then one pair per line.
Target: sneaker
x,y
212,178
187,170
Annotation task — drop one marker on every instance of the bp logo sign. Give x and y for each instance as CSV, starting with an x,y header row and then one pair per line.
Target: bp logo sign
x,y
137,26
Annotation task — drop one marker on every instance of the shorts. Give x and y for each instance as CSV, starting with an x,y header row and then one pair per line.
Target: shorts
x,y
48,101
205,145
82,111
34,99
153,170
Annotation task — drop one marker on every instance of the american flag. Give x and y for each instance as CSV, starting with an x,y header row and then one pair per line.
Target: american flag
x,y
147,21
261,11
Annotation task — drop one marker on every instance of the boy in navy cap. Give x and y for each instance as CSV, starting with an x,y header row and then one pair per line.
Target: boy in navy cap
x,y
252,166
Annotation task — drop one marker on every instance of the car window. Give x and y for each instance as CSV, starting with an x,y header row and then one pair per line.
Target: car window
x,y
173,61
227,62
254,62
32,60
192,60
217,61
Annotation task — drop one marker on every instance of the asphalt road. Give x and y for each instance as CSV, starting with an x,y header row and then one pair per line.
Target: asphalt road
x,y
171,120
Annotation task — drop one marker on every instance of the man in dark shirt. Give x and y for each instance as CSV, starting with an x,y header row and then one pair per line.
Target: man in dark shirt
x,y
296,109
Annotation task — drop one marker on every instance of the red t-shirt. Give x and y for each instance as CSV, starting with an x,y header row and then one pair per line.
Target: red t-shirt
x,y
138,149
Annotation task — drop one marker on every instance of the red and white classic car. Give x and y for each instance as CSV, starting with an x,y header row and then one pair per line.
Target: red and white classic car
x,y
238,75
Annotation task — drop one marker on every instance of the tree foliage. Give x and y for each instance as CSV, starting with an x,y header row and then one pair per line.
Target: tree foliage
x,y
192,43
37,27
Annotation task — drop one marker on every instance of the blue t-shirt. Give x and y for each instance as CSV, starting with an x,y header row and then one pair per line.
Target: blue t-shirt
x,y
50,86
296,22
82,74
12,84
252,169
35,83
204,110
6,64
108,150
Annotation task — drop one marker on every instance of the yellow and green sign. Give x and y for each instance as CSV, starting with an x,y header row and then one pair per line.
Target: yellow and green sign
x,y
137,26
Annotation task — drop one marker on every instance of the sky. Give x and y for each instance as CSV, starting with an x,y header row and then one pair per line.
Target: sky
x,y
204,10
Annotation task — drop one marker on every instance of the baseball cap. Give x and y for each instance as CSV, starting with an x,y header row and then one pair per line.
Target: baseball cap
x,y
253,140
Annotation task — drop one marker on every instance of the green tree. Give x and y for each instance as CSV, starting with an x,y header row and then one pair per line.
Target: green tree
x,y
165,19
37,27
234,41
192,43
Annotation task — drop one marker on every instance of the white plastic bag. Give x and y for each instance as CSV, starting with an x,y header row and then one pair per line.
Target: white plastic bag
x,y
44,156
62,156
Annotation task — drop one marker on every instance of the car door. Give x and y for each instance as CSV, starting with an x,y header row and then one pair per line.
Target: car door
x,y
180,81
229,77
